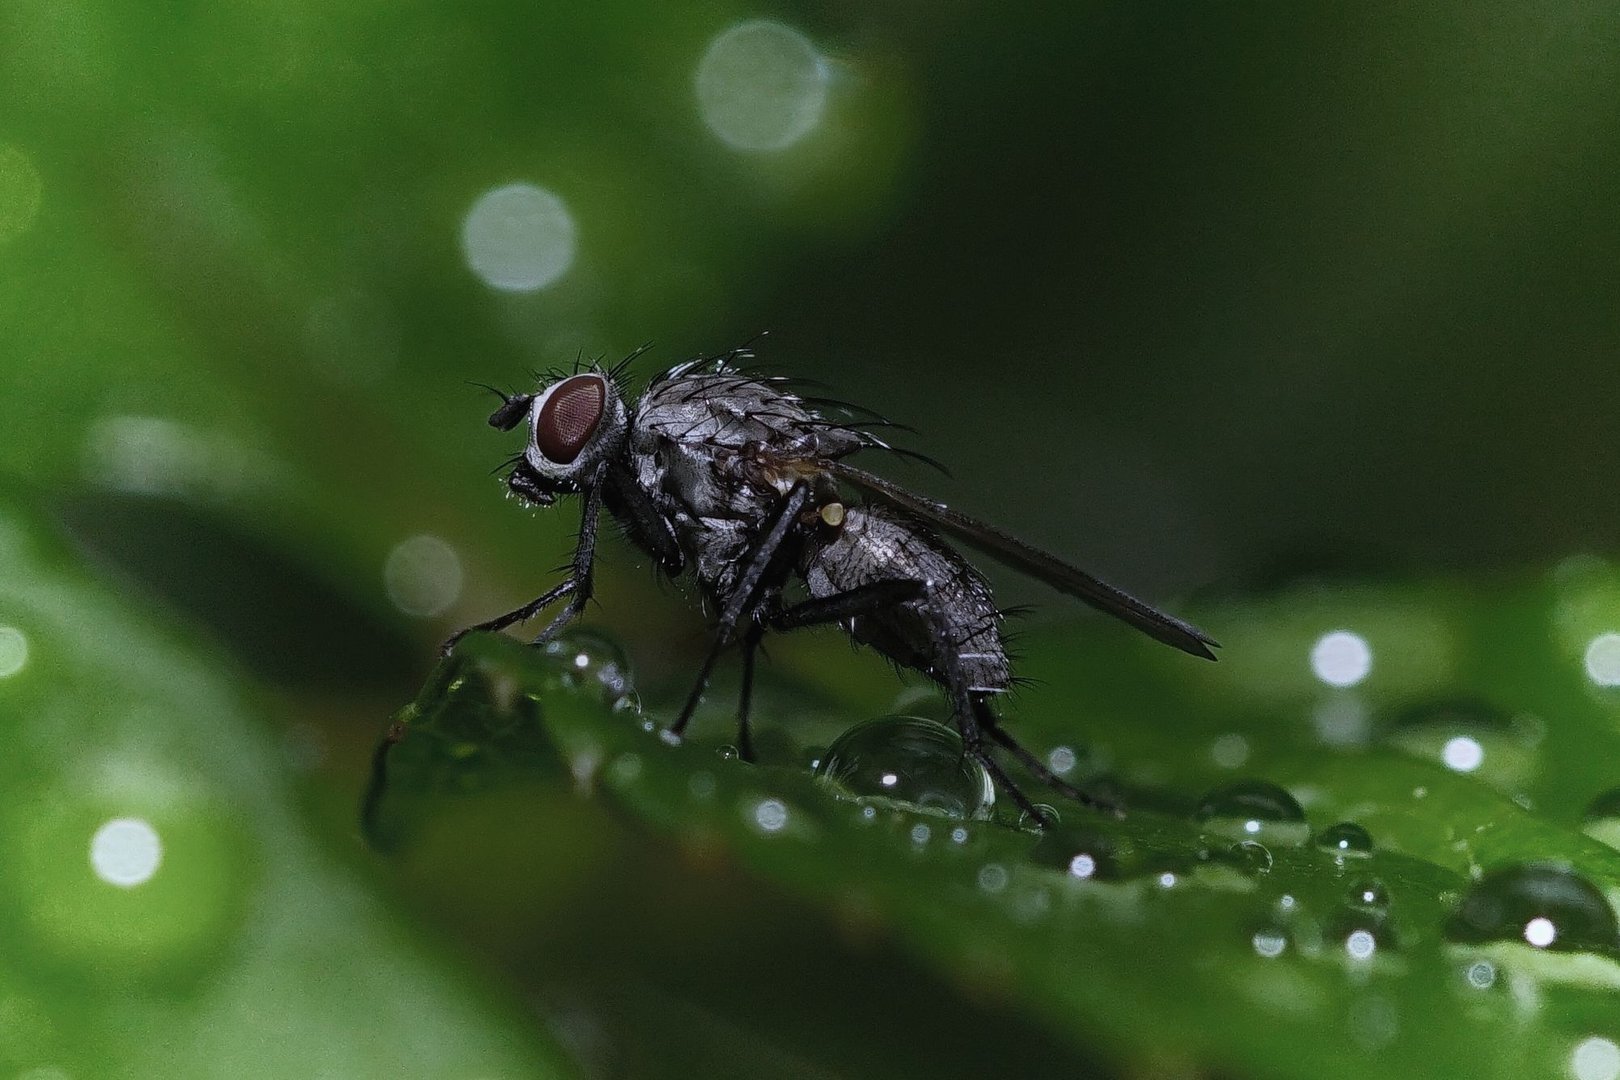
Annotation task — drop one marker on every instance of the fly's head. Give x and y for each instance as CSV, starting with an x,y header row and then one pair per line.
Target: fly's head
x,y
575,424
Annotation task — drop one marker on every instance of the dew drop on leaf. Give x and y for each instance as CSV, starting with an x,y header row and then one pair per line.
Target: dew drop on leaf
x,y
1346,840
912,761
1368,894
1254,810
1545,905
590,661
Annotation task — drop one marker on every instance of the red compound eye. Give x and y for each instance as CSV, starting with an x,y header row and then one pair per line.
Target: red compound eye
x,y
569,417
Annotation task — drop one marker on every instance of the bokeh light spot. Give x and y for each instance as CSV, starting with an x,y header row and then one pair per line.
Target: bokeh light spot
x,y
761,86
1341,658
518,238
126,852
1462,754
1595,1058
1603,660
13,651
423,576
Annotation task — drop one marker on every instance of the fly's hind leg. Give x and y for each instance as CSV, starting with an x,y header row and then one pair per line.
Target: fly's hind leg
x,y
990,723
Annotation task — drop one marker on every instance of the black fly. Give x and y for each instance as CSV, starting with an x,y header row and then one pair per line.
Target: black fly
x,y
733,475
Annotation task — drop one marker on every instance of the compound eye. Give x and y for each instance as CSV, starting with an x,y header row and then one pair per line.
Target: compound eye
x,y
569,417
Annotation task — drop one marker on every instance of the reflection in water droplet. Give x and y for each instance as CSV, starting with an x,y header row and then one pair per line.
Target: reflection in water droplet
x,y
761,86
1083,865
13,651
590,660
1167,880
1462,754
910,760
423,575
1595,1058
1346,840
126,852
771,815
1254,810
518,238
1546,905
1341,658
1603,660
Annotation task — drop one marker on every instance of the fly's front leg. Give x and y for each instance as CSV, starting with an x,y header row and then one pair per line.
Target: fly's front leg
x,y
650,525
577,586
743,602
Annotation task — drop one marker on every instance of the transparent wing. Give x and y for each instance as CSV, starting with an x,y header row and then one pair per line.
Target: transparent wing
x,y
1033,561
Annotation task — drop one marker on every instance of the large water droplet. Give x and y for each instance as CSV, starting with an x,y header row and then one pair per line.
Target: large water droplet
x,y
909,760
1346,840
1368,894
1546,905
590,661
1472,737
1254,810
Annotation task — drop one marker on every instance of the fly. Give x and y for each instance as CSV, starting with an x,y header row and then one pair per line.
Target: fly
x,y
741,480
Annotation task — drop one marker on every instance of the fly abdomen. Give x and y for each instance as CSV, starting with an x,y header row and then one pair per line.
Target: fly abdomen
x,y
956,613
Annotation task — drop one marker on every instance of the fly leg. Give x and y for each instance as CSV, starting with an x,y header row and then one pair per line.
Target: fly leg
x,y
577,587
750,647
990,723
743,603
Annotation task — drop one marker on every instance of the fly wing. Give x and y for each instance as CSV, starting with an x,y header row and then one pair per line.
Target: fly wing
x,y
1049,568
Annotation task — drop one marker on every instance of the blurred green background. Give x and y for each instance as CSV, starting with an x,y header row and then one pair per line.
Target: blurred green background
x,y
1215,299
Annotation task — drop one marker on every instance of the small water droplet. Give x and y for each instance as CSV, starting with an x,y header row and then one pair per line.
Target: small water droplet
x,y
1045,817
1081,852
910,760
590,661
1360,944
728,753
920,834
1469,736
1546,905
1346,840
1481,974
1368,895
1254,810
959,835
1269,941
1250,856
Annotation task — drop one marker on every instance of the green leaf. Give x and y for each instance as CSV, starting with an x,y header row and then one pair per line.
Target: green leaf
x,y
165,909
1217,926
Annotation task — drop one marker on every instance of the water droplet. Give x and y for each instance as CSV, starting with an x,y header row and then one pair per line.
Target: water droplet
x,y
1250,856
1360,944
1341,658
1595,1058
1269,941
589,661
761,86
728,753
1081,852
518,238
1368,895
1254,810
1469,736
1346,840
920,834
1546,905
423,576
1062,760
1044,817
907,759
13,651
